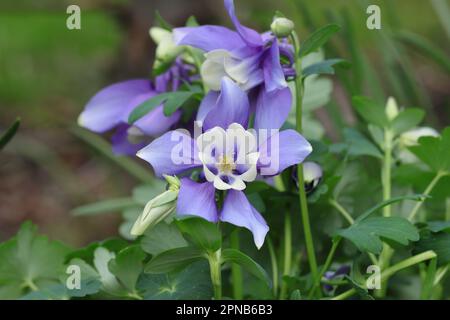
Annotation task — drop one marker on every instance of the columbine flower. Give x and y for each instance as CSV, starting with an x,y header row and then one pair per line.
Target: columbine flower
x,y
229,156
411,138
111,107
251,60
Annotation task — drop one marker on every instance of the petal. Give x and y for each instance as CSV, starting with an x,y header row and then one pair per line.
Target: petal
x,y
237,210
109,107
273,73
208,38
156,123
250,36
212,70
281,150
172,153
232,107
121,144
208,103
272,108
197,199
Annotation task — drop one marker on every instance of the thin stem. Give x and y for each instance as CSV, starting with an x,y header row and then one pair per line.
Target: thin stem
x,y
236,270
273,261
427,191
386,174
30,284
216,273
342,211
287,252
301,190
325,267
427,255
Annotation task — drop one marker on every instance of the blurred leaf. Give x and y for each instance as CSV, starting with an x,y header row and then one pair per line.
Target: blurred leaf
x,y
437,226
161,238
9,133
236,256
107,206
427,48
356,145
296,295
366,234
361,290
162,22
192,22
87,253
370,111
407,119
202,233
110,284
173,259
30,261
192,283
439,243
324,67
144,193
129,165
434,151
318,39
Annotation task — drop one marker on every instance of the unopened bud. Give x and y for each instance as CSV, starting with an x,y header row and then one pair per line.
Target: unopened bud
x,y
312,174
156,210
391,109
282,27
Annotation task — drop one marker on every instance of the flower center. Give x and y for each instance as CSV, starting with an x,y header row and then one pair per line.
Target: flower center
x,y
226,164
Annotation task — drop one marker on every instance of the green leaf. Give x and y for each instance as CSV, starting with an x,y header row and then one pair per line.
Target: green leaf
x,y
407,119
437,226
357,145
296,295
192,283
366,234
439,243
324,67
9,133
414,197
127,266
147,106
107,206
361,290
144,193
29,261
202,233
318,39
238,257
434,151
162,22
370,111
87,253
175,101
110,284
161,238
173,259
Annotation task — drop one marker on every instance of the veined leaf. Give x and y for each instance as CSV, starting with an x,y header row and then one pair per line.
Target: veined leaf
x,y
318,39
162,237
236,256
203,233
366,234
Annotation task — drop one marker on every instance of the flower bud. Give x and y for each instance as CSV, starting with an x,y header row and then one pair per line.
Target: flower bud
x,y
167,50
391,109
312,174
282,27
156,210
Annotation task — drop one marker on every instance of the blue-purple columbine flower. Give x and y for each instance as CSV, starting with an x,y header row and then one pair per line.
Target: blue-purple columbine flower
x,y
229,156
111,107
251,60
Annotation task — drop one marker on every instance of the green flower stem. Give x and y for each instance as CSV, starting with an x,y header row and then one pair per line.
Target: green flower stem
x,y
214,260
29,283
325,267
273,261
342,211
421,257
287,252
301,181
236,270
386,174
427,191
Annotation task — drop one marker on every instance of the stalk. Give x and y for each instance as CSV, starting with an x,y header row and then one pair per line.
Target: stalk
x,y
342,211
287,252
273,261
214,260
236,271
301,190
427,191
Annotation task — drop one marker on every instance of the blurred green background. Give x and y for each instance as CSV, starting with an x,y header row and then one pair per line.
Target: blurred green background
x,y
48,73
